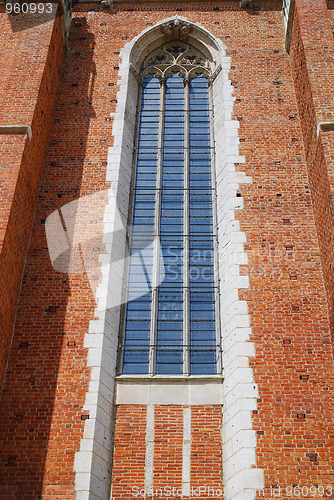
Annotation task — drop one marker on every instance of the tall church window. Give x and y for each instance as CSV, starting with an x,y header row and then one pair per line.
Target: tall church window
x,y
172,329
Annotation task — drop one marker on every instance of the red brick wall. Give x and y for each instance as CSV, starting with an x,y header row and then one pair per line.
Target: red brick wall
x,y
206,449
287,298
129,453
311,57
32,60
47,378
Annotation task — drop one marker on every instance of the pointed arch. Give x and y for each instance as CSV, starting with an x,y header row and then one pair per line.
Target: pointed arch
x,y
179,28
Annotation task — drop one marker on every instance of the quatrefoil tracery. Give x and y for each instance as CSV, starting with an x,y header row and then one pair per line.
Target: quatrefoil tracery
x,y
179,57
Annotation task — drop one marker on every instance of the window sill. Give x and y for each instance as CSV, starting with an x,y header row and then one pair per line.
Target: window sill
x,y
169,390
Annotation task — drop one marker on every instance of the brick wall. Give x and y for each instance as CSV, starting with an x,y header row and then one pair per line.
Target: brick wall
x,y
311,48
130,447
47,378
31,59
129,451
287,297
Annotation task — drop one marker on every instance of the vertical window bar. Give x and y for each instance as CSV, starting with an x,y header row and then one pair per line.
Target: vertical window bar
x,y
186,318
215,233
156,250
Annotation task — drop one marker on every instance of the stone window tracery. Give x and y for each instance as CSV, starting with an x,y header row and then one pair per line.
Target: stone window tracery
x,y
177,56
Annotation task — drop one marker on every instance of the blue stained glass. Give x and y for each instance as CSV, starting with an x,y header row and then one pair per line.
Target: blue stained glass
x,y
200,328
168,326
169,354
146,134
141,327
201,254
169,337
144,176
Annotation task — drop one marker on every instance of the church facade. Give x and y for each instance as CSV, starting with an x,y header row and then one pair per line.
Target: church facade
x,y
167,241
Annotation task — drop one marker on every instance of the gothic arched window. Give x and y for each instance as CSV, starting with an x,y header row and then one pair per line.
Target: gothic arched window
x,y
172,307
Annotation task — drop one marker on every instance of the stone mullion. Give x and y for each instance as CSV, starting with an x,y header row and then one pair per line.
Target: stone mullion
x,y
186,293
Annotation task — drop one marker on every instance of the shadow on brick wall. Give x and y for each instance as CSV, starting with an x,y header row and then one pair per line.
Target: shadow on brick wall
x,y
47,349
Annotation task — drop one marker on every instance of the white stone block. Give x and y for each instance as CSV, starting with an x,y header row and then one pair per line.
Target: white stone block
x,y
224,218
227,449
240,421
234,485
96,326
239,461
109,361
235,322
254,478
99,488
94,356
202,394
243,485
110,347
239,307
245,494
241,404
89,429
99,467
236,282
231,270
230,337
82,461
82,495
86,444
103,411
228,227
97,431
127,393
93,340
239,376
170,393
95,373
82,481
107,391
236,350
91,399
93,385
244,439
241,391
233,237
239,362
228,299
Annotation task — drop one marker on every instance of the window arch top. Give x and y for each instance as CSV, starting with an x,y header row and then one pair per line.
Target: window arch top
x,y
176,56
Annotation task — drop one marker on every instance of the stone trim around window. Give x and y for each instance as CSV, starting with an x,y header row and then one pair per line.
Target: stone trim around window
x,y
94,460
